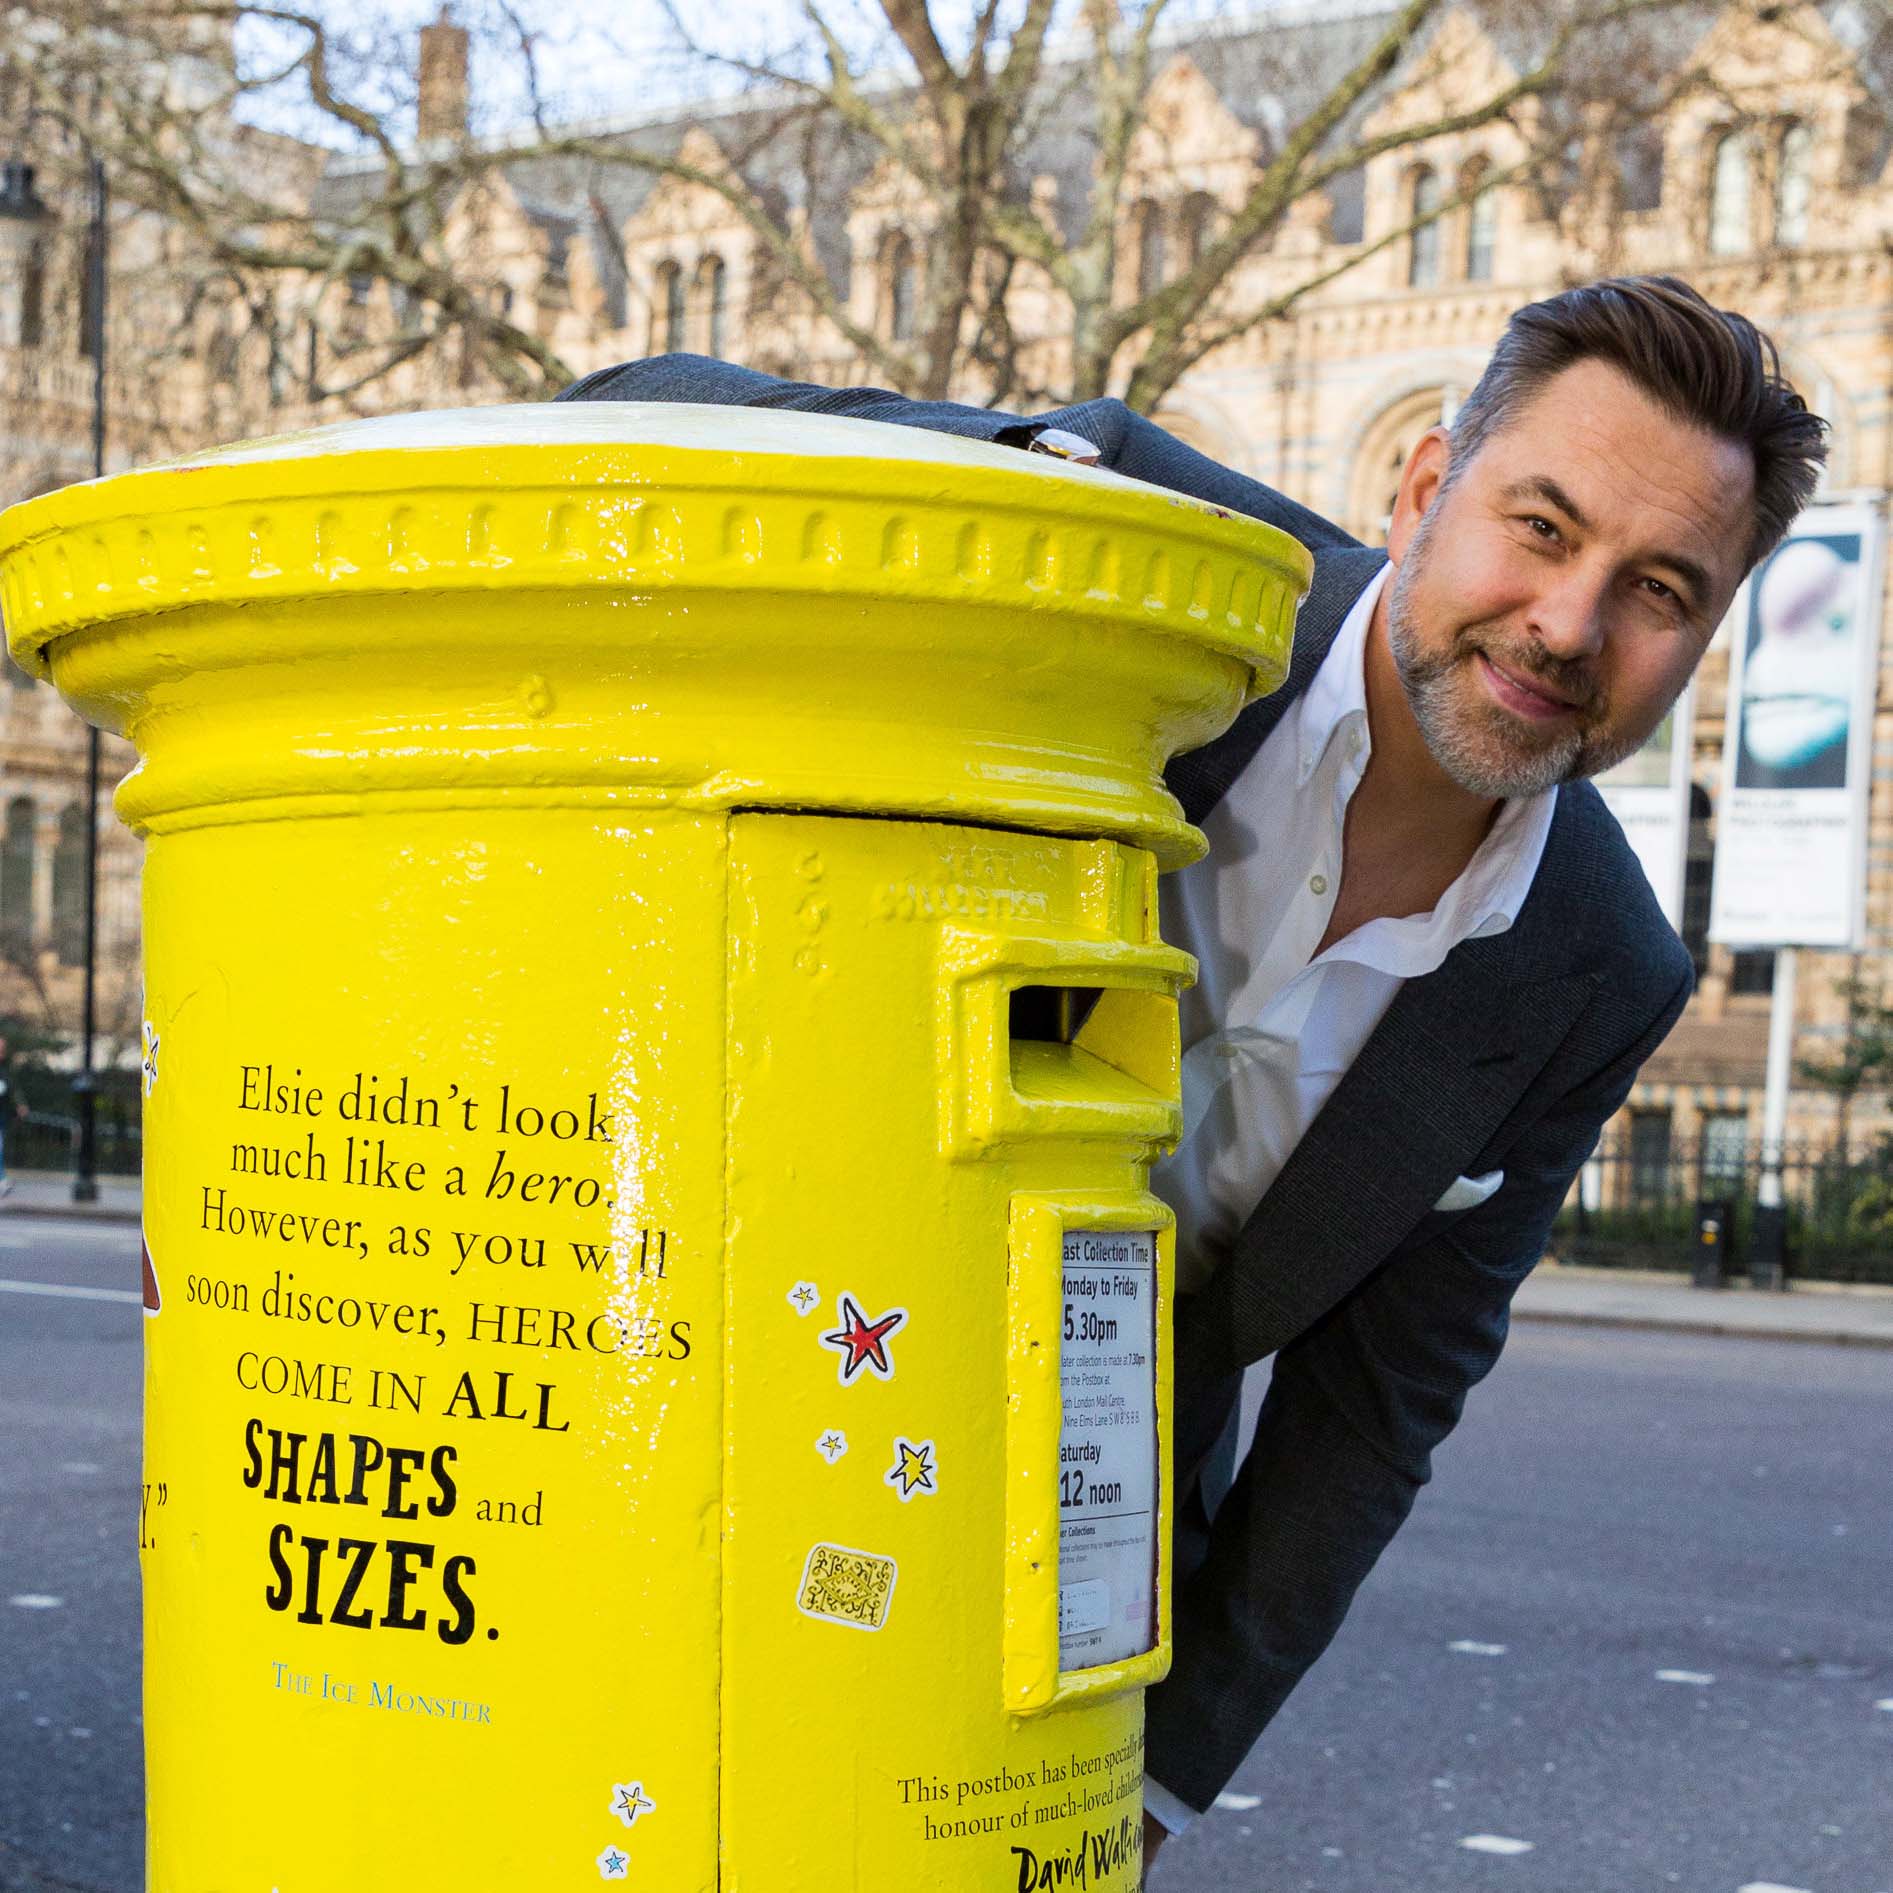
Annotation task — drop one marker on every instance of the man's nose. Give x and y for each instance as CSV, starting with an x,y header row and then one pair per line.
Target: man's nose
x,y
1569,616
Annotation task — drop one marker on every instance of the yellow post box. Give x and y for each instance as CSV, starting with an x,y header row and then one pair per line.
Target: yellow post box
x,y
656,1360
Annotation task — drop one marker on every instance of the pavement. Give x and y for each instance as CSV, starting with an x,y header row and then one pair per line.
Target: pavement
x,y
1829,1312
49,1193
1631,1298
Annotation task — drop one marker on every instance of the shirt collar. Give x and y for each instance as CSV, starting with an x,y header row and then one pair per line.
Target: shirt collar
x,y
1338,690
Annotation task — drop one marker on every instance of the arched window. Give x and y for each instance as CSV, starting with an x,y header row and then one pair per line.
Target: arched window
x,y
1793,187
1195,222
667,311
1150,257
1385,446
714,294
902,270
69,886
16,869
1423,245
1482,224
1730,229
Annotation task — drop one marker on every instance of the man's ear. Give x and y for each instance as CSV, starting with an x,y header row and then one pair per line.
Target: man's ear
x,y
1419,487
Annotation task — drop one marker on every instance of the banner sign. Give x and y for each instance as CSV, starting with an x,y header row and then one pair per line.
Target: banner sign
x,y
1797,751
1649,795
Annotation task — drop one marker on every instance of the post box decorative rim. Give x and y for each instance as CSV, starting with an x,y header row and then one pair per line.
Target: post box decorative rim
x,y
1065,628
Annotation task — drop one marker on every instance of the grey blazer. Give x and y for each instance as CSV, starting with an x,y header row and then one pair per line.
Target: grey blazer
x,y
1380,1310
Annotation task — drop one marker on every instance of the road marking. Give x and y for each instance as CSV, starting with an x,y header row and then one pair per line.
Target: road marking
x,y
1886,1704
77,1465
1768,1886
1238,1803
35,1600
1466,1647
1696,1679
1495,1844
70,1292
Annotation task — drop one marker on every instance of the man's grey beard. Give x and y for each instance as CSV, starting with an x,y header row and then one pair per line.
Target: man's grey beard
x,y
1485,753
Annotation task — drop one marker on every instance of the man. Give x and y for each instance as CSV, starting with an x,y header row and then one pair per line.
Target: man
x,y
1430,967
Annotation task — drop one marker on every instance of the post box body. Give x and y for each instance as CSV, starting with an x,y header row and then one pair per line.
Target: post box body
x,y
656,1358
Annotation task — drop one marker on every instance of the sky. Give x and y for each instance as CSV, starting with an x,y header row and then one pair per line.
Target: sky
x,y
614,59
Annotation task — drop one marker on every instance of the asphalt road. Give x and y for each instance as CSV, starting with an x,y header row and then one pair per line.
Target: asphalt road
x,y
1638,1635
71,1763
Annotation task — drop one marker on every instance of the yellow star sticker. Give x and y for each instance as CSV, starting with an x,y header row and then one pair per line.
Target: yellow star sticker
x,y
913,1468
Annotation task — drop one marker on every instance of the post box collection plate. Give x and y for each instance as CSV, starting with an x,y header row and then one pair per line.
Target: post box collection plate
x,y
1107,1448
654,1374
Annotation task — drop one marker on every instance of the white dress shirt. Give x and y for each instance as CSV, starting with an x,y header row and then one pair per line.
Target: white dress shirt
x,y
1269,1030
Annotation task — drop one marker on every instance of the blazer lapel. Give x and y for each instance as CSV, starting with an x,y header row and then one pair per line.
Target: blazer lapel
x,y
1431,1087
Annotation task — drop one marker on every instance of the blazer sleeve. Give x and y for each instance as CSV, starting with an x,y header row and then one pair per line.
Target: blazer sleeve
x,y
1127,442
1355,1407
724,384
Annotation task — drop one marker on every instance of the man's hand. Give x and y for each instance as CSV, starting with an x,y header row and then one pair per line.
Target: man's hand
x,y
1155,1834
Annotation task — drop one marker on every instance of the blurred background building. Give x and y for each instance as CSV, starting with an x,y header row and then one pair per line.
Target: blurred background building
x,y
1292,236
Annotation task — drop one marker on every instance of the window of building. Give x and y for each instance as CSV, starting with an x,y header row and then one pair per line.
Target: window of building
x,y
1724,1152
1482,231
88,297
1423,245
1638,152
1150,250
1730,230
667,312
1698,877
1649,1155
33,297
1793,186
713,281
903,287
16,869
1752,971
1194,223
69,886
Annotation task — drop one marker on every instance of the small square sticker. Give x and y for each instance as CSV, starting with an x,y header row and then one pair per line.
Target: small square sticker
x,y
845,1586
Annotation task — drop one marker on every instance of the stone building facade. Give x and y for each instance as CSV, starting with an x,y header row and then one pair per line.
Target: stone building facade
x,y
1768,186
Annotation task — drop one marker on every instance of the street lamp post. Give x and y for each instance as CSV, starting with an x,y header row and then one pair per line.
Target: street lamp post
x,y
85,1183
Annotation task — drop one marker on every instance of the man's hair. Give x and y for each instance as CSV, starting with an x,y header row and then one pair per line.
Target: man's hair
x,y
1706,366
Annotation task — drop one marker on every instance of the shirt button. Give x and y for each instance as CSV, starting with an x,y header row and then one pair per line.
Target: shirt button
x,y
1317,883
1229,1051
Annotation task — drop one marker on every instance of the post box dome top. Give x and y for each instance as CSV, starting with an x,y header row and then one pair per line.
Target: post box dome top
x,y
967,567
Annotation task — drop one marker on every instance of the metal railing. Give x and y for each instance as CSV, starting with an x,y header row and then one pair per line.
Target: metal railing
x,y
46,1140
1638,1204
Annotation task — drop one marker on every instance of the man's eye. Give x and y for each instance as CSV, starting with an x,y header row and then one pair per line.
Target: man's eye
x,y
1661,592
1541,528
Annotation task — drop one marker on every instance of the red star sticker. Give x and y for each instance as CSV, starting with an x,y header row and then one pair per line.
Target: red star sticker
x,y
863,1343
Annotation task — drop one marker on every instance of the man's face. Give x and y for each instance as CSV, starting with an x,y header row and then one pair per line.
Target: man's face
x,y
1551,602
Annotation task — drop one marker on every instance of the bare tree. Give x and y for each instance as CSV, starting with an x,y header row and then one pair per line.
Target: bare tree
x,y
314,213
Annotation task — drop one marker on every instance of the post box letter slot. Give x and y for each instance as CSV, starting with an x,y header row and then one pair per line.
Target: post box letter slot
x,y
1059,1038
1050,1014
